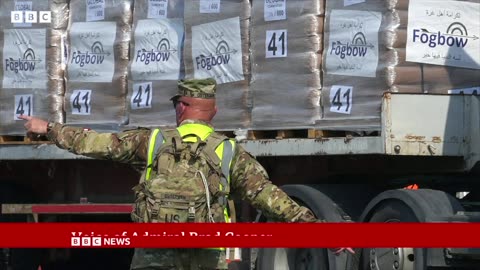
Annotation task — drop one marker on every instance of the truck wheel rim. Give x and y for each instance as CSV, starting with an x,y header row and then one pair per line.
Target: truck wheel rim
x,y
392,258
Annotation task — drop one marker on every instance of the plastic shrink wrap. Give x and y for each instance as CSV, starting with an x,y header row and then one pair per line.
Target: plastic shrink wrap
x,y
286,48
96,77
32,64
354,65
217,45
156,63
436,52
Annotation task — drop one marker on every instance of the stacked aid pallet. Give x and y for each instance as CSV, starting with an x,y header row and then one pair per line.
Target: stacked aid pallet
x,y
31,66
286,49
99,35
353,67
401,76
156,62
216,45
437,50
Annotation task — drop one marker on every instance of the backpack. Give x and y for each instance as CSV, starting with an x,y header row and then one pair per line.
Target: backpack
x,y
185,180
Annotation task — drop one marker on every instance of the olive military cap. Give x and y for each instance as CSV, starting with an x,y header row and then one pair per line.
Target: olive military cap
x,y
196,88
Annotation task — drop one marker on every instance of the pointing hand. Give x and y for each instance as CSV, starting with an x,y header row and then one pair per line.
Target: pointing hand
x,y
338,251
34,124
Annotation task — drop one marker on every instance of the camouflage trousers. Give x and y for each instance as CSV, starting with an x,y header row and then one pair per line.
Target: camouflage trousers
x,y
178,259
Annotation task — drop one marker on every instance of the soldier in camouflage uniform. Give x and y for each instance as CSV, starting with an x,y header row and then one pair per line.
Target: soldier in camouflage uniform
x,y
194,105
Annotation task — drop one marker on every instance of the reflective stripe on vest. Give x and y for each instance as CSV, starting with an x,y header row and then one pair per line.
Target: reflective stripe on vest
x,y
202,131
156,136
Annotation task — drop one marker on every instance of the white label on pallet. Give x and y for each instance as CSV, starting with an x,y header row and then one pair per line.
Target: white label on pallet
x,y
141,96
352,48
274,10
466,91
158,50
217,50
23,106
352,2
341,99
23,6
24,58
444,33
276,43
157,9
209,6
95,10
91,52
80,101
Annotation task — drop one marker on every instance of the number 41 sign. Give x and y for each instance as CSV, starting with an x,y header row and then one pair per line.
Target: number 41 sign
x,y
341,99
80,101
141,96
276,43
23,106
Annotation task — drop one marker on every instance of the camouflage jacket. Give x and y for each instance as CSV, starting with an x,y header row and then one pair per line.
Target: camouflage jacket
x,y
249,180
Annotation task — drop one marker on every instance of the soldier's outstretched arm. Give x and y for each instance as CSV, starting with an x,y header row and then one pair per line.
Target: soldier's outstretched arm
x,y
250,180
124,147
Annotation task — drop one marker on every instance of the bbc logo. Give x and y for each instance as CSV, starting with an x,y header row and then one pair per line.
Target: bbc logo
x,y
86,241
30,16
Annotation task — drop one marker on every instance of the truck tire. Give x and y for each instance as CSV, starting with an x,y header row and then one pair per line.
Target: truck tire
x,y
404,206
295,259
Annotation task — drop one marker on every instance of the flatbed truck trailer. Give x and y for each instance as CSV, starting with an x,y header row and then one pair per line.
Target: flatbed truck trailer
x,y
429,141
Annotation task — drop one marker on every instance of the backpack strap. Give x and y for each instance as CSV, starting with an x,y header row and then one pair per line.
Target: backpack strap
x,y
213,141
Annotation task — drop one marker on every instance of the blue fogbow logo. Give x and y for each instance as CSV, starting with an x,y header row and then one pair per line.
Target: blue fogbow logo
x,y
161,54
26,63
221,56
95,56
357,48
455,36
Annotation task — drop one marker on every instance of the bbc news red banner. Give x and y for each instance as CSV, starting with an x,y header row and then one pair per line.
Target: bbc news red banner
x,y
196,235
